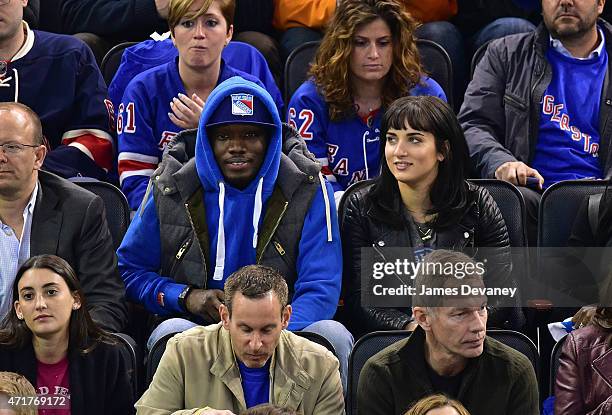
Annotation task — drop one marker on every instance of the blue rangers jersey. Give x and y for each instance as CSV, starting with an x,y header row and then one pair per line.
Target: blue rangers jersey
x,y
143,126
57,76
348,149
150,53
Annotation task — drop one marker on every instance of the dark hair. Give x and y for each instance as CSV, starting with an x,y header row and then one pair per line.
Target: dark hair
x,y
255,281
30,114
603,317
84,334
268,409
449,192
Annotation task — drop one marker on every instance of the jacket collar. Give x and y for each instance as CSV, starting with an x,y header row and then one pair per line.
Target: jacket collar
x,y
47,218
412,358
290,380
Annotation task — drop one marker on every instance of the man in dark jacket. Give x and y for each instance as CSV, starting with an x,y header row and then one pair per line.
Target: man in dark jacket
x,y
539,108
449,352
41,213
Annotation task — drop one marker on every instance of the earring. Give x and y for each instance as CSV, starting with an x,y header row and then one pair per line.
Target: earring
x,y
75,306
19,316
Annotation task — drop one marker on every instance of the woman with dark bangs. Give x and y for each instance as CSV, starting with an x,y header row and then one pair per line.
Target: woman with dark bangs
x,y
421,200
367,59
50,338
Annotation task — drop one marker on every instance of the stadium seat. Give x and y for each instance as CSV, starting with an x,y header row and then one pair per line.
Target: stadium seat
x,y
129,353
558,209
372,343
434,59
477,57
115,203
437,64
297,66
111,61
157,351
554,364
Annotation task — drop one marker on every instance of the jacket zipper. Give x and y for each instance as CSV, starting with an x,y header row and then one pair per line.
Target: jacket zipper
x,y
273,231
279,248
182,250
201,253
515,101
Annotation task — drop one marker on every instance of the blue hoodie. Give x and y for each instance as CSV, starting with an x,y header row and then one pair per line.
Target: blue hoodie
x,y
319,262
241,208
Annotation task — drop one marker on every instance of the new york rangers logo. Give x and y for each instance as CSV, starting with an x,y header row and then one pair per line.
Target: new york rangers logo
x,y
242,104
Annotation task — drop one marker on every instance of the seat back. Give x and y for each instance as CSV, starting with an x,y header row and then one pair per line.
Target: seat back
x,y
554,364
154,357
112,59
437,64
558,209
129,354
477,57
372,343
511,205
115,204
297,66
317,338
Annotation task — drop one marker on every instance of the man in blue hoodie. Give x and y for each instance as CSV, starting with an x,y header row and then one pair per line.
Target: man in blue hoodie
x,y
252,194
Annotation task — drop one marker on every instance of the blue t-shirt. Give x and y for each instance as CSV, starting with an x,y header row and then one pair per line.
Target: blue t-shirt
x,y
255,384
568,141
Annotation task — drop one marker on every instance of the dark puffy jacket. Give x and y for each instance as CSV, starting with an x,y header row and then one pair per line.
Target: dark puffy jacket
x,y
367,223
500,114
584,378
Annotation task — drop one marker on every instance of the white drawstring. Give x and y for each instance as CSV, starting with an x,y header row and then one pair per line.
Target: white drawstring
x,y
365,156
257,212
220,261
327,209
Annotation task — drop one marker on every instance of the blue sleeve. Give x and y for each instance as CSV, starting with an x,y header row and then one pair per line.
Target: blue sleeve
x,y
308,115
139,154
429,87
139,262
319,265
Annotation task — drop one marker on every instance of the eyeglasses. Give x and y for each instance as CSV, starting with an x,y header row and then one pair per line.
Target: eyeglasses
x,y
15,148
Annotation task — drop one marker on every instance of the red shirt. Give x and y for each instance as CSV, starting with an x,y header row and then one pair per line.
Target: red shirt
x,y
53,380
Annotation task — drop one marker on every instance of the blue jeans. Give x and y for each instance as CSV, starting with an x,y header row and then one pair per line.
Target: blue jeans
x,y
333,331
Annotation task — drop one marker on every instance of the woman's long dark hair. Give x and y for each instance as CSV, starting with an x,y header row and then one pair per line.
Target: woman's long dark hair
x,y
84,334
449,191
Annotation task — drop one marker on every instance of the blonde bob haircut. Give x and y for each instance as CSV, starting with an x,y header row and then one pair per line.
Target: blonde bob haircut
x,y
178,9
436,401
16,385
331,71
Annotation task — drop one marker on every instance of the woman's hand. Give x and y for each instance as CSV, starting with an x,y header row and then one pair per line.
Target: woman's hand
x,y
186,111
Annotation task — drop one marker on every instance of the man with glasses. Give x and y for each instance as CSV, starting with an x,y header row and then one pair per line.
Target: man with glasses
x,y
57,76
41,213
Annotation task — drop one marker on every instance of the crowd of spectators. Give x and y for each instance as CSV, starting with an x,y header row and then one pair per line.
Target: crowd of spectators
x,y
245,229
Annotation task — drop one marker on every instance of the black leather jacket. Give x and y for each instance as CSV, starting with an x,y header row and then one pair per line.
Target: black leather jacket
x,y
367,223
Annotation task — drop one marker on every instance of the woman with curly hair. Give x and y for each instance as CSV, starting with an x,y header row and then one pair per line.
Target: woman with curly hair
x,y
367,59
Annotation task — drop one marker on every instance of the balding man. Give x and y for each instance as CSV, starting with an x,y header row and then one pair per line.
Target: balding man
x,y
41,213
